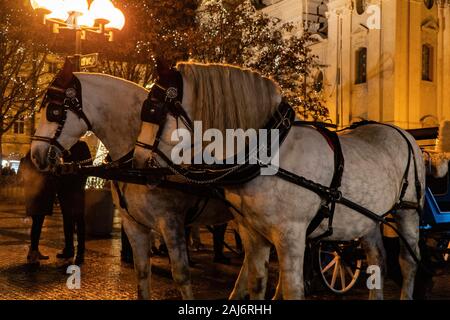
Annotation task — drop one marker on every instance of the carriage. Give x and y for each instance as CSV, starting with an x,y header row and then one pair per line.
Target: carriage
x,y
435,224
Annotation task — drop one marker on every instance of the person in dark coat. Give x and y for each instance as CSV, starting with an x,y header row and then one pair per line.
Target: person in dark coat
x,y
40,194
71,196
41,190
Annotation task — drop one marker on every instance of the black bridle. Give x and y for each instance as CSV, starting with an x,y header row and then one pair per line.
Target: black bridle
x,y
59,99
164,98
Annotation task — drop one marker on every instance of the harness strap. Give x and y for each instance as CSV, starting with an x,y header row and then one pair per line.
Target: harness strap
x,y
145,145
195,211
124,205
80,113
327,210
53,142
369,214
332,196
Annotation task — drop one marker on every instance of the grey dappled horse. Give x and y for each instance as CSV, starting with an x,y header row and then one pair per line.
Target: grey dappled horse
x,y
279,212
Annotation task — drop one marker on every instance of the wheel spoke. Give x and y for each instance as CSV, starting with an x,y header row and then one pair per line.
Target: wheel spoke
x,y
349,271
342,275
328,252
332,262
335,274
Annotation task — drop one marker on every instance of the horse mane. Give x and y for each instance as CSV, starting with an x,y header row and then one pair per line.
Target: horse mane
x,y
103,76
228,97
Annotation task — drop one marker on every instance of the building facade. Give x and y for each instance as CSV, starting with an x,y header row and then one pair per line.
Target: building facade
x,y
383,60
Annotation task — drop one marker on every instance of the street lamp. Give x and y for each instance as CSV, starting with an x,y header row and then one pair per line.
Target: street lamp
x,y
100,17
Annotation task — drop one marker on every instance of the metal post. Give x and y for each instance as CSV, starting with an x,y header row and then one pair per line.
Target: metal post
x,y
77,49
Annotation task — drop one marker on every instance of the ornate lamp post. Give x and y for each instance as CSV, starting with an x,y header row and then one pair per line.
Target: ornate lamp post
x,y
101,17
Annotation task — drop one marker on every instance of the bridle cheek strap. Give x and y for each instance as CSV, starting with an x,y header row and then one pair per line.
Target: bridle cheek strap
x,y
81,115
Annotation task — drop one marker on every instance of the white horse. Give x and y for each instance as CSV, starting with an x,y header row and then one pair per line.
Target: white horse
x,y
113,108
279,212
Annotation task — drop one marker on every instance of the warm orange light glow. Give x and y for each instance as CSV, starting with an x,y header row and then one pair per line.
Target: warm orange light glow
x,y
41,4
86,20
102,10
78,6
117,20
57,10
35,4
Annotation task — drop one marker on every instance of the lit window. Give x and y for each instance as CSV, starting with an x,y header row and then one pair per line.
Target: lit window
x,y
428,3
427,62
19,127
360,6
361,66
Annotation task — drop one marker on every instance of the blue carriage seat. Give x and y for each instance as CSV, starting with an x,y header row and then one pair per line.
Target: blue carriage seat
x,y
436,210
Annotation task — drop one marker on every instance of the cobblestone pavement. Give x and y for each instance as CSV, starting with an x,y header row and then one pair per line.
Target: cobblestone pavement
x,y
104,276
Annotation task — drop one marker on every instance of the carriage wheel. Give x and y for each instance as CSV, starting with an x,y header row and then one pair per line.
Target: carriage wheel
x,y
444,247
340,265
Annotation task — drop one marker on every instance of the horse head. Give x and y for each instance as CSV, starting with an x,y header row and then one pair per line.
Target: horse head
x,y
165,97
79,102
63,119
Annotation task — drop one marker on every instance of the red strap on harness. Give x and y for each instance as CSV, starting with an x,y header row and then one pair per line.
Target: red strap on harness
x,y
328,139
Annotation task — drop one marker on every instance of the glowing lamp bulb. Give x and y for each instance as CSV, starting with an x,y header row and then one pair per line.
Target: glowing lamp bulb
x,y
41,5
117,20
78,6
86,20
102,10
57,10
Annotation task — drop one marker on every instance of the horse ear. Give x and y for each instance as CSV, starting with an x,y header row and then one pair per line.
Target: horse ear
x,y
68,67
65,75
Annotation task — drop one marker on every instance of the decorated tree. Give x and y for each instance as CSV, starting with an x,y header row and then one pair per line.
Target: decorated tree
x,y
23,53
235,32
226,31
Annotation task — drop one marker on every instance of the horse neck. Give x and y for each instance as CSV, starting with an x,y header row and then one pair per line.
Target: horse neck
x,y
114,108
